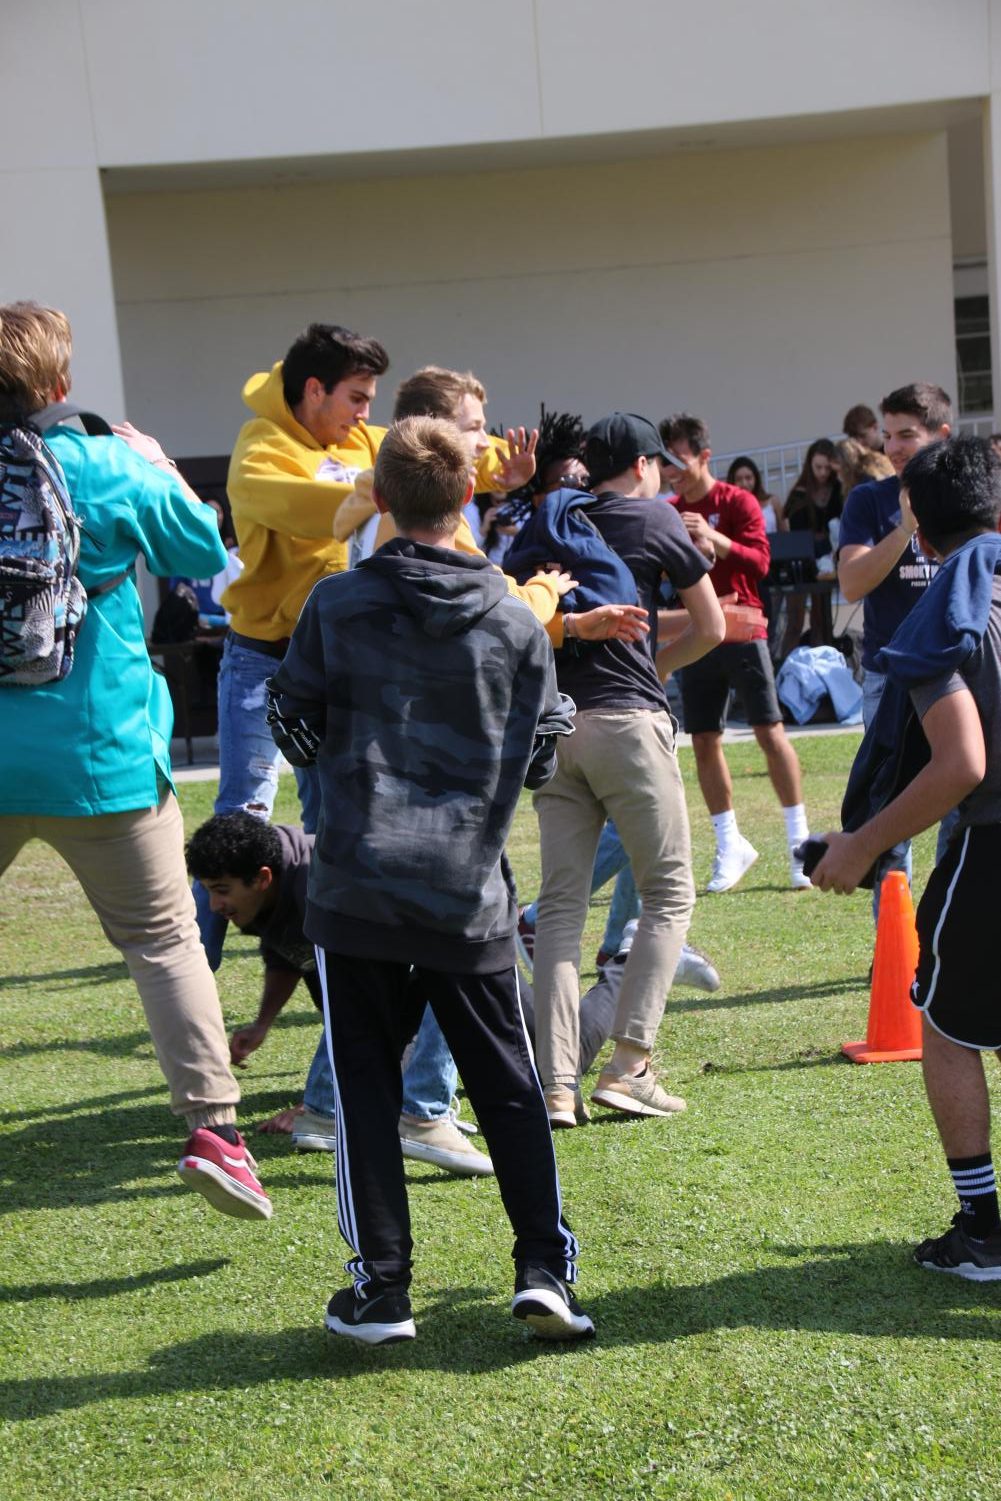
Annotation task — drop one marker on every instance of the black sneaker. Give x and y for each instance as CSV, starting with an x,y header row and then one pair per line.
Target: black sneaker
x,y
548,1306
959,1253
382,1320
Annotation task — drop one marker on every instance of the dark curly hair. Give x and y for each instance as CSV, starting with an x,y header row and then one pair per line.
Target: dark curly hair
x,y
233,844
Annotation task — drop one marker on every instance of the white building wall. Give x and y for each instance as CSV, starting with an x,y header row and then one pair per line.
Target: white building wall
x,y
53,241
244,79
766,289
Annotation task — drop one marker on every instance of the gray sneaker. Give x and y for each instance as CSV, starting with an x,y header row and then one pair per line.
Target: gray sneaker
x,y
314,1133
697,970
635,1094
442,1143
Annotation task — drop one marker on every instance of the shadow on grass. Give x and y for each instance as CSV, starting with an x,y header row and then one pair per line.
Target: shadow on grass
x,y
108,1287
867,1289
87,974
73,1107
822,990
61,1158
123,1045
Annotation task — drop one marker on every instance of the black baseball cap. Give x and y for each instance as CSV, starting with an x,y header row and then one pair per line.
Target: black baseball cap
x,y
615,442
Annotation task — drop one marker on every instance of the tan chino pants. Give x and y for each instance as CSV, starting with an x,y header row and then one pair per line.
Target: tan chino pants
x,y
131,868
621,766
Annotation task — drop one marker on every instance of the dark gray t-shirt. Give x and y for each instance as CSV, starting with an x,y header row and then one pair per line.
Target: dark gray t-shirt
x,y
981,674
650,537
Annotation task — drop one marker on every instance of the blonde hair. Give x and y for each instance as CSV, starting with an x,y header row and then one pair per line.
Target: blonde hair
x,y
435,392
35,349
422,472
859,463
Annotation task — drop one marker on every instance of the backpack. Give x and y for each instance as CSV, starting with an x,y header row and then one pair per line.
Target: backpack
x,y
42,601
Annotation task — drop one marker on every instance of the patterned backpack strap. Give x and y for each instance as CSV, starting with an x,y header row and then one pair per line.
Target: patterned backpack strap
x,y
42,601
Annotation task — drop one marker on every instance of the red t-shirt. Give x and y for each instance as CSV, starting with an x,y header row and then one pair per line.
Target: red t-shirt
x,y
736,514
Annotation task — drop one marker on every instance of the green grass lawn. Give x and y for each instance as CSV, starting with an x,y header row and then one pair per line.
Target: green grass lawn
x,y
762,1332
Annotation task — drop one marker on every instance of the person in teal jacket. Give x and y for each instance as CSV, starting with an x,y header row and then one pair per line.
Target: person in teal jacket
x,y
85,761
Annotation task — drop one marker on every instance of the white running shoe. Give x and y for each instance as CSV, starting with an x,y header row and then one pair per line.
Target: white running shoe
x,y
730,864
697,970
798,879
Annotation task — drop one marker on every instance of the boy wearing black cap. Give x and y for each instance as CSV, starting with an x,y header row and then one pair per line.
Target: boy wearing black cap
x,y
620,763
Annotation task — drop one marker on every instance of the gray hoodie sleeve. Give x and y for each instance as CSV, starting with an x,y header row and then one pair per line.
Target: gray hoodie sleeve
x,y
556,719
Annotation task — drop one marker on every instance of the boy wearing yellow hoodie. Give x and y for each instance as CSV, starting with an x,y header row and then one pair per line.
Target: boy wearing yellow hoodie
x,y
294,463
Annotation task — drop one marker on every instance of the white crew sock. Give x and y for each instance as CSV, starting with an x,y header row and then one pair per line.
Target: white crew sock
x,y
725,829
797,828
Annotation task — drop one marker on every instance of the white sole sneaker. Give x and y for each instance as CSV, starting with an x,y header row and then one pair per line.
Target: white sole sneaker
x,y
697,970
222,1191
613,1100
549,1317
731,866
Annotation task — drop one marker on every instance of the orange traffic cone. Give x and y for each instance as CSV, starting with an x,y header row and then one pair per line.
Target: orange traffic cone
x,y
894,1031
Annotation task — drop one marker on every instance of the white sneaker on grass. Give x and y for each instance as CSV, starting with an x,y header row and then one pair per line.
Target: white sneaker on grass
x,y
731,864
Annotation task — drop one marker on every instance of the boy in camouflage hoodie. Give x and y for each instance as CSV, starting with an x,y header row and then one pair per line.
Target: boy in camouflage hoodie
x,y
426,694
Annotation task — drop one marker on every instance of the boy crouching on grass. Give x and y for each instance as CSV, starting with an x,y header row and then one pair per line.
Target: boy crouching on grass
x,y
426,694
943,666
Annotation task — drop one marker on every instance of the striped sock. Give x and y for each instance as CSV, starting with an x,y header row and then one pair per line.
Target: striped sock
x,y
978,1194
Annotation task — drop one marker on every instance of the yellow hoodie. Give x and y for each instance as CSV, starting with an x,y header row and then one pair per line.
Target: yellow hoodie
x,y
283,509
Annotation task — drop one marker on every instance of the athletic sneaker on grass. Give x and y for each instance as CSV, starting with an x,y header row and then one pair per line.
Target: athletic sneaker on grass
x,y
443,1143
635,1094
731,864
383,1320
224,1173
548,1306
313,1132
959,1253
565,1106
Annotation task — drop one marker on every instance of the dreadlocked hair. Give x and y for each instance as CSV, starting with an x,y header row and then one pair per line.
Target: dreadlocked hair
x,y
561,436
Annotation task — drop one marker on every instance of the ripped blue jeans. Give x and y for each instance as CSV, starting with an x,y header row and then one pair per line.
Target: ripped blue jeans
x,y
248,765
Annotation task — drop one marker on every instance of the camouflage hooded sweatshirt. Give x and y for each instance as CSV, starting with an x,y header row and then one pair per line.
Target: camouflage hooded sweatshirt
x,y
427,696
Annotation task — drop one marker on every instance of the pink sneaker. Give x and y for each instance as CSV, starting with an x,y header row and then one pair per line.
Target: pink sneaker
x,y
224,1174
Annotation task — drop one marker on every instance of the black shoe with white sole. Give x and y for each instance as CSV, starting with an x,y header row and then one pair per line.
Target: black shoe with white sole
x,y
383,1320
548,1306
960,1254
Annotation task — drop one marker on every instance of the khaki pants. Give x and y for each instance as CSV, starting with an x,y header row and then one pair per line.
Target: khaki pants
x,y
621,766
131,868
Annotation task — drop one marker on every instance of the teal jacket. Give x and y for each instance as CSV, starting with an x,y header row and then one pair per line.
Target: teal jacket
x,y
99,740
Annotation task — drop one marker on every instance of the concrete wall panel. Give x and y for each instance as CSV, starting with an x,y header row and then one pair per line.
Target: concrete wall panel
x,y
754,299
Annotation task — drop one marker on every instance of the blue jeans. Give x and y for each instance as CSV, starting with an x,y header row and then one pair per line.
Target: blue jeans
x,y
899,857
248,765
610,860
429,1078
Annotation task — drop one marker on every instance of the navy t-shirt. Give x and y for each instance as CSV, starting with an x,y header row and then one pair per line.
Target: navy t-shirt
x,y
872,512
652,540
